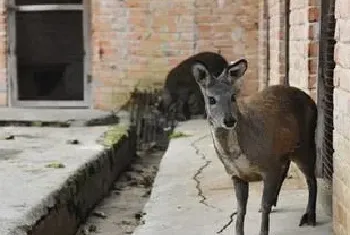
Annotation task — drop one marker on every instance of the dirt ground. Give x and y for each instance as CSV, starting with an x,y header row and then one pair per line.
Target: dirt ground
x,y
121,212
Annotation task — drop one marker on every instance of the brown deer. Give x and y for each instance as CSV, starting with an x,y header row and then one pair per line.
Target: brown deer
x,y
256,137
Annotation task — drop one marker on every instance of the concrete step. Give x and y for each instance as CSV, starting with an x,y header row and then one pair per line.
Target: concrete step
x,y
58,117
49,182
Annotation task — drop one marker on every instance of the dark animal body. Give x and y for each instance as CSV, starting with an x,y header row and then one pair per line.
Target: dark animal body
x,y
257,137
181,95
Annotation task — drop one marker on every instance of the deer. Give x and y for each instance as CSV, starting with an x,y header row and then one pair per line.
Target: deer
x,y
181,94
256,137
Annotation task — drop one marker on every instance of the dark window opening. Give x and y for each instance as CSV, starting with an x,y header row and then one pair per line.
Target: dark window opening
x,y
46,2
50,55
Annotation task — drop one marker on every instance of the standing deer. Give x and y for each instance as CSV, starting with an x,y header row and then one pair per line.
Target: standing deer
x,y
257,137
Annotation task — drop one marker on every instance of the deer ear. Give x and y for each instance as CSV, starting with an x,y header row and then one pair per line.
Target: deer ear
x,y
201,74
237,69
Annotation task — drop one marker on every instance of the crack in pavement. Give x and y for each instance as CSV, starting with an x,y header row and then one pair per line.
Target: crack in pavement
x,y
200,171
198,183
225,226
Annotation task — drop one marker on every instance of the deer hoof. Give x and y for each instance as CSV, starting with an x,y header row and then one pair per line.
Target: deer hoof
x,y
260,210
309,219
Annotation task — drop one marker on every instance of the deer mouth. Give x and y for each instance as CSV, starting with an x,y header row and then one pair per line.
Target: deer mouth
x,y
230,127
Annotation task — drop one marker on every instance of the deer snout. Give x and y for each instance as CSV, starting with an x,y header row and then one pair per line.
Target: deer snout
x,y
230,122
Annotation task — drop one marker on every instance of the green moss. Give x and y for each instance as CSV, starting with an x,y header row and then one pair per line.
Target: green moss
x,y
55,165
178,134
114,134
37,124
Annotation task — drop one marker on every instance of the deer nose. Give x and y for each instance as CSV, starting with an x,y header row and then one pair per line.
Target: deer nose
x,y
229,121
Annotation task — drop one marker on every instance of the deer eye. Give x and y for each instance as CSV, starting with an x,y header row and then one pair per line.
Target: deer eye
x,y
233,98
211,100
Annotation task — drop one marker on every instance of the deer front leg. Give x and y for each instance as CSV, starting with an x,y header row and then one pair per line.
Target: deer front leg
x,y
242,189
284,176
271,184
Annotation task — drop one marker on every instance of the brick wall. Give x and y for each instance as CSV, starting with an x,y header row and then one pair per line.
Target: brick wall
x,y
271,30
304,30
135,43
277,59
341,177
138,42
262,46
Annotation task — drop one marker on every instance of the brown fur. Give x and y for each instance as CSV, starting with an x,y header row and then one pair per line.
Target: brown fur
x,y
274,123
257,137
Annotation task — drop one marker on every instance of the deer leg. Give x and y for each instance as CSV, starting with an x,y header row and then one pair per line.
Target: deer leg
x,y
271,184
309,217
307,166
284,176
180,116
242,191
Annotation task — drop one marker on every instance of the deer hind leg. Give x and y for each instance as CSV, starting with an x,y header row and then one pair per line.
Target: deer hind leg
x,y
272,182
242,191
308,168
284,176
179,111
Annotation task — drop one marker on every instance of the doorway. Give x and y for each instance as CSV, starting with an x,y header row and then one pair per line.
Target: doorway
x,y
48,53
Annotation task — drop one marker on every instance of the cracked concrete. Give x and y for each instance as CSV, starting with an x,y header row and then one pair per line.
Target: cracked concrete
x,y
198,183
200,171
227,224
48,184
185,178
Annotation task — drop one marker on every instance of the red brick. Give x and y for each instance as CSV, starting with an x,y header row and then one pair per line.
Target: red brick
x,y
314,3
313,49
313,31
205,19
134,40
313,14
136,4
312,66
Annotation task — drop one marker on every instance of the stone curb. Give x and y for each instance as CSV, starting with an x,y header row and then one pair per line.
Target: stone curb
x,y
74,200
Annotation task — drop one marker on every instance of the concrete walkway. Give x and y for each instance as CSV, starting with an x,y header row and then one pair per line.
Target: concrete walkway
x,y
193,195
51,177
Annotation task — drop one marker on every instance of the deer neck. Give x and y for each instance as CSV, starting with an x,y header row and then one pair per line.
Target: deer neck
x,y
226,142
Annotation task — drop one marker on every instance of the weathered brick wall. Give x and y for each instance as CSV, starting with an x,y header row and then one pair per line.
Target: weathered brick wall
x,y
135,43
277,58
341,138
262,46
138,42
271,30
3,55
304,30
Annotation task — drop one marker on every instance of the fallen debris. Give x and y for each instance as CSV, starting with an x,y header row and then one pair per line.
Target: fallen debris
x,y
99,214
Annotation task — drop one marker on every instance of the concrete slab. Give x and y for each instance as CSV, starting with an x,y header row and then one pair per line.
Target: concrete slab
x,y
49,114
29,189
193,195
70,117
